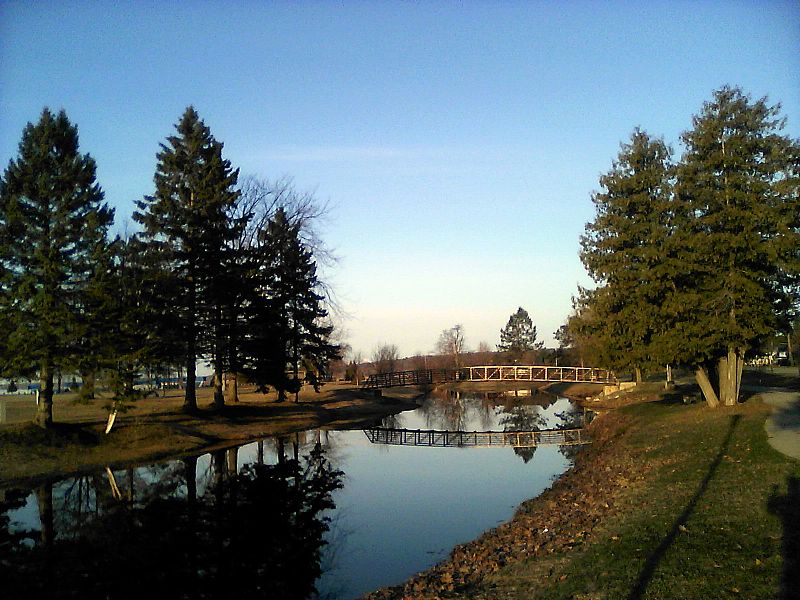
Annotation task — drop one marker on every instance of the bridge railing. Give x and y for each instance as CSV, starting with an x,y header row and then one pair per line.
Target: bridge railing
x,y
418,377
475,439
538,373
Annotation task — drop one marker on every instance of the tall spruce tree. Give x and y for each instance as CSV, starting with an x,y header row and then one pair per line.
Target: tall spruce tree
x,y
624,251
53,226
286,324
135,338
736,236
518,337
186,226
97,320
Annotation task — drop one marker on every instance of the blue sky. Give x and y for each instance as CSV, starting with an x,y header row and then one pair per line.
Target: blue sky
x,y
457,143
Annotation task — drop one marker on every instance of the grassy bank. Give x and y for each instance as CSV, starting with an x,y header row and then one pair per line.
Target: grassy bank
x,y
672,501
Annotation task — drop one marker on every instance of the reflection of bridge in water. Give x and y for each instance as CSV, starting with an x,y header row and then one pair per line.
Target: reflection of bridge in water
x,y
536,373
476,439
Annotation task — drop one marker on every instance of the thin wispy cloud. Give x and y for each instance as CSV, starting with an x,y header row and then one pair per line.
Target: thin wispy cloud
x,y
345,153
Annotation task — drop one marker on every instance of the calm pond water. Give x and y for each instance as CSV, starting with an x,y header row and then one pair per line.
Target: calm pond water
x,y
314,514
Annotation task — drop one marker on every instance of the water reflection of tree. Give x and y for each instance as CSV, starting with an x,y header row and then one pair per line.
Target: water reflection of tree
x,y
256,533
572,418
81,499
392,421
454,410
445,410
521,417
485,411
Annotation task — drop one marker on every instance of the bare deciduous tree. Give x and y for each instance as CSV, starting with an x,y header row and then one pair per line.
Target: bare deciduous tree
x,y
385,358
451,343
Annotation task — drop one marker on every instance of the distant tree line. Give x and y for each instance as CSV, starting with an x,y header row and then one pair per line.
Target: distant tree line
x,y
696,262
518,345
220,270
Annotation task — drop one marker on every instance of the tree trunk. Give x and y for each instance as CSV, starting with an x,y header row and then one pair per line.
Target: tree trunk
x,y
44,497
190,393
219,374
280,449
232,387
725,381
131,485
730,376
130,381
739,369
87,385
44,408
701,375
219,395
296,373
219,465
190,474
233,461
638,375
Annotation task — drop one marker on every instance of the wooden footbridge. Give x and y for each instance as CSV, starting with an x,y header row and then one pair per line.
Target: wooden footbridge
x,y
476,439
534,373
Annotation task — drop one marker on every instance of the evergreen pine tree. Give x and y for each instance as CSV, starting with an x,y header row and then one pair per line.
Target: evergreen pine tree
x,y
287,320
624,252
53,226
96,321
736,236
186,226
518,336
136,344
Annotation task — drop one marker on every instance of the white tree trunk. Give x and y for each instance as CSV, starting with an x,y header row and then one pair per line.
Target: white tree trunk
x,y
701,374
231,387
730,376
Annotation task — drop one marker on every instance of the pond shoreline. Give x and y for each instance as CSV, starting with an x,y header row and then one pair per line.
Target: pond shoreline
x,y
156,428
557,519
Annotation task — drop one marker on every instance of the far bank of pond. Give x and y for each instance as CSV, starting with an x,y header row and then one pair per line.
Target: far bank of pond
x,y
157,427
322,509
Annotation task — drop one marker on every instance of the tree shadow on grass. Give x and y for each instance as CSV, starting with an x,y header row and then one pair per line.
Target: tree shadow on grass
x,y
787,507
657,555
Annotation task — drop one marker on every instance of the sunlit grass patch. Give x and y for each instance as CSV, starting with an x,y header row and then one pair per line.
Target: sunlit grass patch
x,y
702,524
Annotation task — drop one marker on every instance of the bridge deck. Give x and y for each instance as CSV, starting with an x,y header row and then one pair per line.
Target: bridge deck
x,y
533,373
476,439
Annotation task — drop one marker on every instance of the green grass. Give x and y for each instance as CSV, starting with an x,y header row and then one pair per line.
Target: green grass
x,y
699,525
